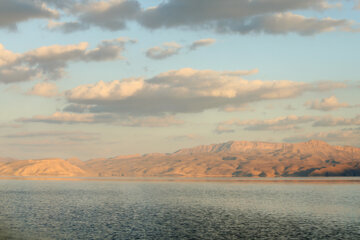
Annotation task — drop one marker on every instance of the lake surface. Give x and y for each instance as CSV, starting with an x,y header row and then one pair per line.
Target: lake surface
x,y
178,210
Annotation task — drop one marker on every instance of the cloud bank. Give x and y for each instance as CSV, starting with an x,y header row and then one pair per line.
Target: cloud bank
x,y
226,16
182,91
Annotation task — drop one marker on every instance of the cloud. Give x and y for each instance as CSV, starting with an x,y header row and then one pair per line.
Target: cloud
x,y
276,124
110,15
282,23
66,27
166,50
153,122
45,89
284,123
49,62
337,121
90,118
326,104
243,16
345,136
202,43
13,12
77,136
240,108
183,91
220,129
61,117
185,137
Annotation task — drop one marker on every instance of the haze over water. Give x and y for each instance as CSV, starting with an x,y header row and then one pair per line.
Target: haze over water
x,y
178,210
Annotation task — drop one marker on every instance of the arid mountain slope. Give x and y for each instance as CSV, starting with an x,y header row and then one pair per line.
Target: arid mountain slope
x,y
44,167
230,159
240,159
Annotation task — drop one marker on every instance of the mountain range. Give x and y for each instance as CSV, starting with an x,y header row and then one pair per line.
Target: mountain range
x,y
230,159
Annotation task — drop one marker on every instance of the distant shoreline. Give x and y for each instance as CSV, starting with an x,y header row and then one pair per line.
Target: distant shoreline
x,y
340,179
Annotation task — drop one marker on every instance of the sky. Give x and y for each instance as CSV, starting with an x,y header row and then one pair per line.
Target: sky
x,y
101,78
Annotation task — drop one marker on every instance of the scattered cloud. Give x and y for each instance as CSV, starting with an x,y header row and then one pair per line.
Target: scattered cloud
x,y
345,136
241,108
110,15
220,129
77,136
183,91
49,62
326,104
166,50
185,137
44,89
284,123
80,118
61,117
242,16
276,124
330,121
9,125
66,27
202,43
227,16
152,122
13,12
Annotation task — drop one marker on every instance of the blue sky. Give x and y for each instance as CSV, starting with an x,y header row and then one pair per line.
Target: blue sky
x,y
306,87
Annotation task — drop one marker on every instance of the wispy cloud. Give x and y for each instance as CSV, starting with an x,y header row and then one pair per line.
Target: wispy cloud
x,y
44,89
166,50
202,43
284,123
49,62
326,104
345,136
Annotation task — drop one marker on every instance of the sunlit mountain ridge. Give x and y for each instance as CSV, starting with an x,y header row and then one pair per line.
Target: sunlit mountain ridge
x,y
230,159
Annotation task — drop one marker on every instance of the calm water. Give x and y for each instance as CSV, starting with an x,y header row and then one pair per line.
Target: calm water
x,y
178,210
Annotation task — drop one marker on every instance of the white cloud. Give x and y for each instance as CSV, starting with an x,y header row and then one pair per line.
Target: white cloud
x,y
326,104
166,50
183,91
45,89
49,62
202,43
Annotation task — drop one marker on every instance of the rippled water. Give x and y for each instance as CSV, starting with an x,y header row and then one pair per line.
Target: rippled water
x,y
178,210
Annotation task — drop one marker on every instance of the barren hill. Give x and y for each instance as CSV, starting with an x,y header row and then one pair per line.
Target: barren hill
x,y
230,159
43,167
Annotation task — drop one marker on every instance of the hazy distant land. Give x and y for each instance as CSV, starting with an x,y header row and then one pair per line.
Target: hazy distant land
x,y
230,159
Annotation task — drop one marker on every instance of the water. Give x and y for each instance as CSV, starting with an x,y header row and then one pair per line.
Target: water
x,y
178,210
